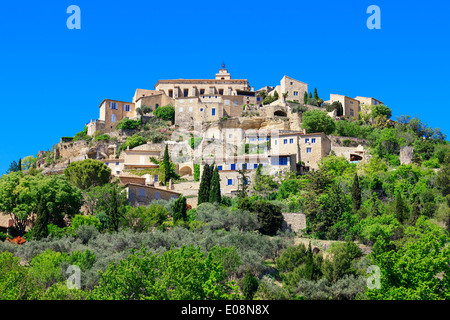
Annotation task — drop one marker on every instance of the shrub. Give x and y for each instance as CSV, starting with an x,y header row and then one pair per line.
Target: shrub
x,y
79,220
197,172
103,137
134,141
127,123
87,173
166,113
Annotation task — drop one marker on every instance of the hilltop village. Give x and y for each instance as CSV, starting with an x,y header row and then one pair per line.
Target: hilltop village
x,y
233,126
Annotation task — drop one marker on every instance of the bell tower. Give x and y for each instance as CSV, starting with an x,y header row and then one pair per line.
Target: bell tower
x,y
223,73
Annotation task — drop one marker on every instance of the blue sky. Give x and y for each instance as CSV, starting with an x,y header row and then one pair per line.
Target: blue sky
x,y
53,79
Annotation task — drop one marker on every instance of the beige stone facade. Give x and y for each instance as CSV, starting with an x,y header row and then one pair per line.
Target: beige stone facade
x,y
368,101
351,107
142,195
112,111
314,147
151,98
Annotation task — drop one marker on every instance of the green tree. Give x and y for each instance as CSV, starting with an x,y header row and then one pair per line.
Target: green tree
x,y
13,167
214,194
275,95
418,270
168,170
40,228
178,274
400,208
20,196
166,113
204,190
443,176
305,97
19,166
87,173
356,194
243,183
318,121
179,209
310,95
250,286
196,172
316,96
28,162
269,215
342,260
115,211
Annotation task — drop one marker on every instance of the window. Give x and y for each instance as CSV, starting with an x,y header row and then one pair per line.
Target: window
x,y
155,178
351,112
295,93
186,92
283,161
126,107
221,91
292,83
285,141
213,111
244,166
307,140
276,142
113,105
156,106
117,163
181,109
190,109
202,91
233,166
201,109
227,102
235,103
172,197
141,192
113,118
219,168
308,150
229,182
313,140
291,141
255,166
157,195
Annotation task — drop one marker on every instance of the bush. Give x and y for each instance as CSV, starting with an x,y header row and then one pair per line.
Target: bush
x,y
80,220
166,113
87,173
197,172
102,137
134,141
127,123
318,121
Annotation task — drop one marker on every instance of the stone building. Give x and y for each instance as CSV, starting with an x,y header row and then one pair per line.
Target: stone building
x,y
221,85
142,195
350,107
314,147
368,101
294,89
111,112
151,98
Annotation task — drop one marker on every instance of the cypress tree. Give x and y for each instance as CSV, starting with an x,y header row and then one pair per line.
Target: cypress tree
x,y
40,229
179,209
275,95
305,97
19,166
400,208
167,167
356,194
114,211
250,286
204,190
214,195
310,95
415,210
316,96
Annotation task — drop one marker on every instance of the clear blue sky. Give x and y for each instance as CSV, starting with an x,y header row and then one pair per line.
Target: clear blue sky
x,y
53,79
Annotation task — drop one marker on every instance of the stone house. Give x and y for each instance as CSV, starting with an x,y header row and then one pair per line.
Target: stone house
x,y
350,107
141,194
111,112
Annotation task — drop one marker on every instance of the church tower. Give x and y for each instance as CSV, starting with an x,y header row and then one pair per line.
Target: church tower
x,y
223,73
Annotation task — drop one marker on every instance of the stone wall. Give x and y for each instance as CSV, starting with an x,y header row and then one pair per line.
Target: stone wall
x,y
294,222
